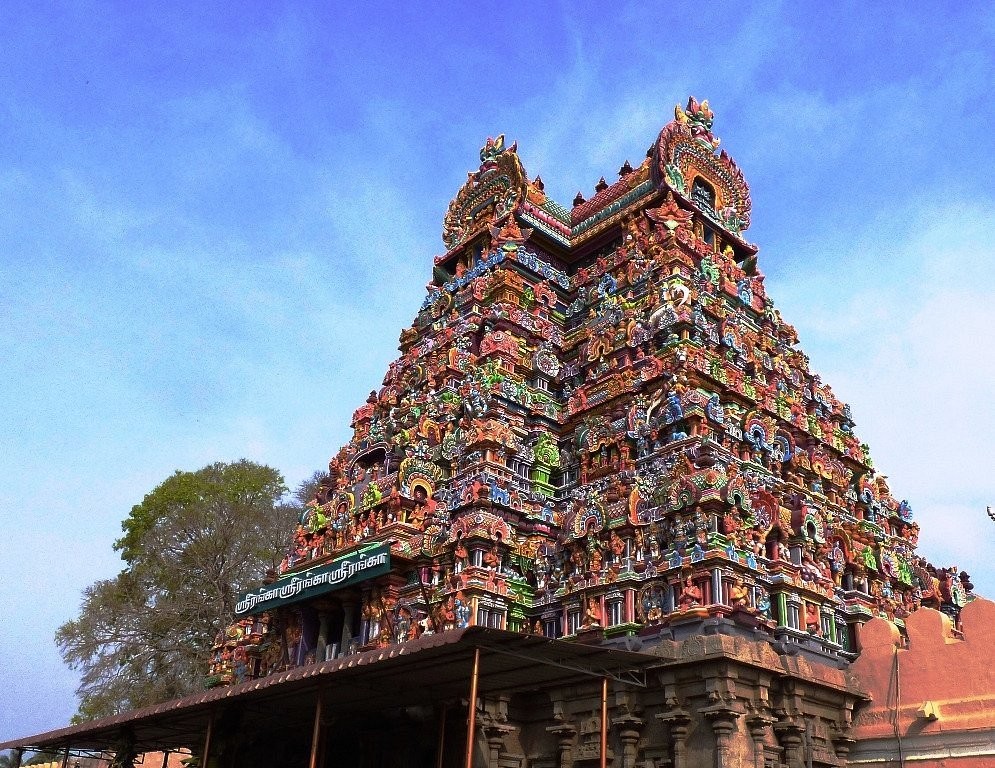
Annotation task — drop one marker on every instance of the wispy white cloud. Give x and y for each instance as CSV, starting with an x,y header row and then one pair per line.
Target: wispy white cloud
x,y
908,346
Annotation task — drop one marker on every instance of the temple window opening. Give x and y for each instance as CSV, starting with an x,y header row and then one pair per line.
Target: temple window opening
x,y
573,621
703,194
551,628
616,612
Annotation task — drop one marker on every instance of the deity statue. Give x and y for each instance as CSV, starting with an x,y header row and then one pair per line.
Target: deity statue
x,y
592,614
739,594
812,619
690,595
492,558
617,546
461,554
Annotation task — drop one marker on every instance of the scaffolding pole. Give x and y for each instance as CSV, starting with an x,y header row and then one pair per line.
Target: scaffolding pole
x,y
207,740
442,737
471,715
316,734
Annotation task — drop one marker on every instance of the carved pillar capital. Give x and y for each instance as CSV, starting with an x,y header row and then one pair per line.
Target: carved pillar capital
x,y
563,731
722,717
676,718
628,723
497,730
758,723
789,730
842,742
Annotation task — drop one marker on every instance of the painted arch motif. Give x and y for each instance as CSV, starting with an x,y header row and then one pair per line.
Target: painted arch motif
x,y
686,150
488,195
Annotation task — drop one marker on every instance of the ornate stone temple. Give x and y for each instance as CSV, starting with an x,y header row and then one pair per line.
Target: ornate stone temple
x,y
599,495
600,427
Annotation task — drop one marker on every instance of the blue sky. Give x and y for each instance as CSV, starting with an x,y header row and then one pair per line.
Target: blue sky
x,y
214,222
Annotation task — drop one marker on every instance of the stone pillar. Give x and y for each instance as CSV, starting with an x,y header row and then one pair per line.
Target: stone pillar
x,y
723,721
758,725
628,727
678,721
565,734
323,621
789,734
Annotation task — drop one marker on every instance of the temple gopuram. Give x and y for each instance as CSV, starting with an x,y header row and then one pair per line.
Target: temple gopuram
x,y
599,512
600,426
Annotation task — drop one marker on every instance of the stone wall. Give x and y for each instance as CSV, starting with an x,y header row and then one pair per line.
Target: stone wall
x,y
715,701
932,691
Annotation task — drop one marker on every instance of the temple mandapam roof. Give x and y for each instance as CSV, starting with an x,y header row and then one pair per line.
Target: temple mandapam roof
x,y
428,671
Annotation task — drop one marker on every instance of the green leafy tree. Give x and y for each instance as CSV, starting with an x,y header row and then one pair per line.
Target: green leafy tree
x,y
196,542
307,489
45,756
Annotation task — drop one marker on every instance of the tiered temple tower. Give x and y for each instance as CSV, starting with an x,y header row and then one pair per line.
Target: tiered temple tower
x,y
599,426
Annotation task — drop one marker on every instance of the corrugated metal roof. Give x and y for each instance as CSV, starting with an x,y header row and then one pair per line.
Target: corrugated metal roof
x,y
430,670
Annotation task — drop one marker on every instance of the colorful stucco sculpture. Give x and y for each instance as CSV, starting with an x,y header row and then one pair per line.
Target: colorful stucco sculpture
x,y
598,426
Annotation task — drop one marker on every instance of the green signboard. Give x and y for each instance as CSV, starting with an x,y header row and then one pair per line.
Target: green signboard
x,y
351,569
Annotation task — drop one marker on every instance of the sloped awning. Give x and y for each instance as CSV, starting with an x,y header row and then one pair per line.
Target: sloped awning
x,y
424,672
